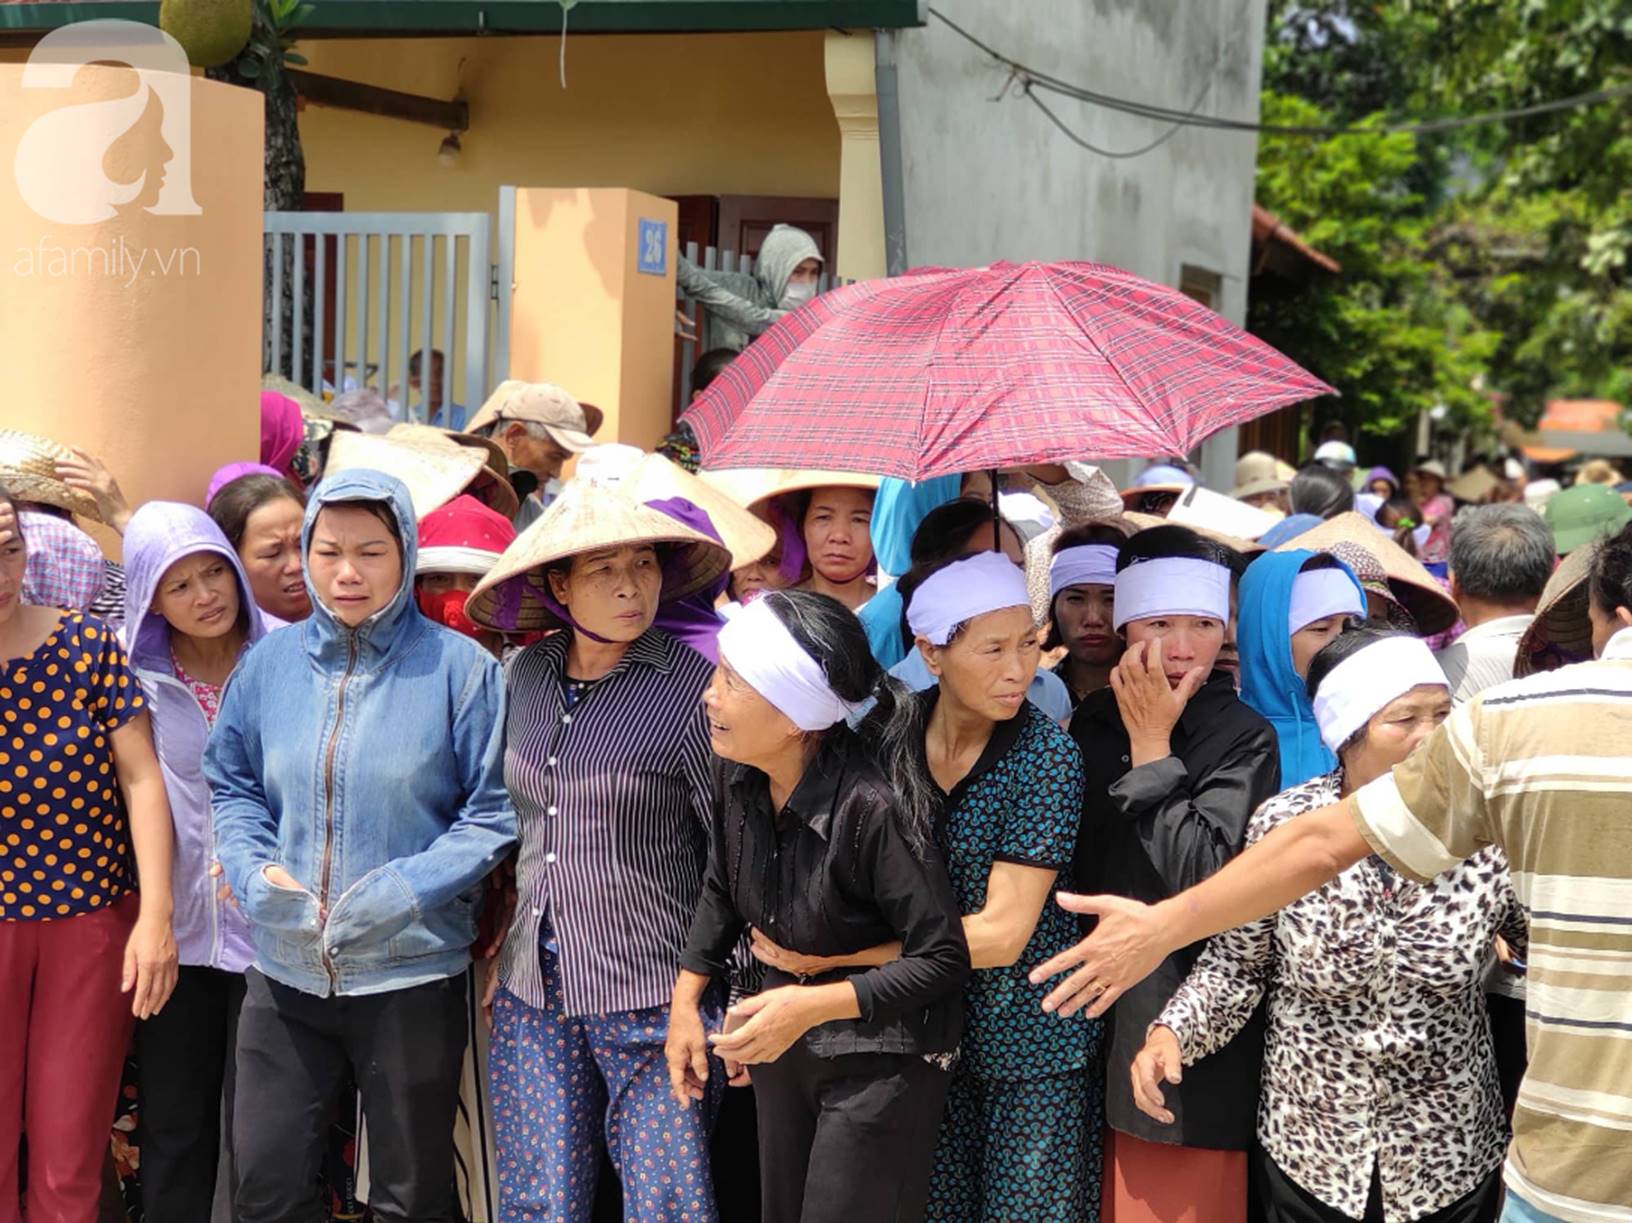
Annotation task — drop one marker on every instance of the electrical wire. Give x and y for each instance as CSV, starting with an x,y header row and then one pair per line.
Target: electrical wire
x,y
1077,140
1030,79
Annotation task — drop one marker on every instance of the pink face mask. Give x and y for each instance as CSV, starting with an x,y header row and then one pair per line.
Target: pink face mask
x,y
448,608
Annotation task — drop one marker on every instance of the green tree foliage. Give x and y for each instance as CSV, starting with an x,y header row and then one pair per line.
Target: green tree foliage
x,y
1491,257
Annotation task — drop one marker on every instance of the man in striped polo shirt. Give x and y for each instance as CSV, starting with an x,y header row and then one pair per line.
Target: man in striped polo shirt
x,y
1541,767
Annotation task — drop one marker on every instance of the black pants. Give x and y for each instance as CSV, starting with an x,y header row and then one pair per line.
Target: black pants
x,y
1507,1035
1284,1201
734,1156
405,1047
849,1139
184,1055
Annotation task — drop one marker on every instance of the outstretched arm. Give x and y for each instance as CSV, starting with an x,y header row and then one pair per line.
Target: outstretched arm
x,y
1132,938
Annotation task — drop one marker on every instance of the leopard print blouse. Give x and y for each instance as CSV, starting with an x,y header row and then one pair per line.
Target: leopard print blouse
x,y
1378,1051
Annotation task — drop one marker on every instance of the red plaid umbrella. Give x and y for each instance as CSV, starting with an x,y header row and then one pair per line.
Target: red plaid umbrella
x,y
942,371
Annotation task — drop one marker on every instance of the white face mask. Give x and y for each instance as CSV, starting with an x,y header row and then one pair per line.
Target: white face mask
x,y
795,296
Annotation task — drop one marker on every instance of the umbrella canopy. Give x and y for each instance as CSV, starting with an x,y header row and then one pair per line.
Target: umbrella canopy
x,y
941,372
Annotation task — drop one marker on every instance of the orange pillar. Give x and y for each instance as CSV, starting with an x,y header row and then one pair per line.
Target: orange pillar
x,y
592,306
130,267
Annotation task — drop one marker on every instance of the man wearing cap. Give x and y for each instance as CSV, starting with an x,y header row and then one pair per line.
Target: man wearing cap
x,y
1583,513
539,426
1262,480
1339,456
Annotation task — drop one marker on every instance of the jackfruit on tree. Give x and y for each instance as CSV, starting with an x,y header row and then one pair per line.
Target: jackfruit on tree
x,y
212,32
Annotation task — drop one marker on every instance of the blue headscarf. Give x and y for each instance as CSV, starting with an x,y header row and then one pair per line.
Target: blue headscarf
x,y
898,510
1269,684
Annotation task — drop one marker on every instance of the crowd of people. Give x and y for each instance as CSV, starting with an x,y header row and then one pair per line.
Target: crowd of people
x,y
723,845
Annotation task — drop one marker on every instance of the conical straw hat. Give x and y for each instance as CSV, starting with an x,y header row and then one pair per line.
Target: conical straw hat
x,y
753,486
1561,633
492,485
28,469
434,474
588,516
1430,606
748,537
1143,522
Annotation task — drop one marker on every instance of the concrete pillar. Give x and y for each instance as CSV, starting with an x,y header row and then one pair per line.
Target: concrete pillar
x,y
851,87
130,266
592,307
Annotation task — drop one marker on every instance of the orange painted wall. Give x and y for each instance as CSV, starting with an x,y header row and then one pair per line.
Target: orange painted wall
x,y
582,314
138,337
672,114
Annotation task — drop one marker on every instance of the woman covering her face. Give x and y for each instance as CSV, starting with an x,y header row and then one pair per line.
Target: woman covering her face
x,y
1369,961
1175,765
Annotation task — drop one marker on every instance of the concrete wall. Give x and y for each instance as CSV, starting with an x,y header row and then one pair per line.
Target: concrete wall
x,y
987,180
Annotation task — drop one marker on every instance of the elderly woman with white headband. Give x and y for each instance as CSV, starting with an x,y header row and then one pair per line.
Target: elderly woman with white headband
x,y
1021,1138
1175,766
823,840
1380,1094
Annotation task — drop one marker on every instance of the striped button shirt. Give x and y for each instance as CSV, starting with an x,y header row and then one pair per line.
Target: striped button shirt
x,y
613,800
1542,767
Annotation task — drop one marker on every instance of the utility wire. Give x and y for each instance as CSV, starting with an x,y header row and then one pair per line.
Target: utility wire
x,y
1031,79
1077,140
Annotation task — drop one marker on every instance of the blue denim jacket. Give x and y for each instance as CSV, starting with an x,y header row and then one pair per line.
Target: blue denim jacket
x,y
369,764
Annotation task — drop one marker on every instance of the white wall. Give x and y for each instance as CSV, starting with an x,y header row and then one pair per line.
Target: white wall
x,y
987,180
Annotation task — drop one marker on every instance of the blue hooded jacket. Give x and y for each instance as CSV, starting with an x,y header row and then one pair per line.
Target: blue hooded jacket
x,y
898,510
368,763
1269,685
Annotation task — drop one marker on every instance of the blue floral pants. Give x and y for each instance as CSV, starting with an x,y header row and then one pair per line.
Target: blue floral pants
x,y
561,1086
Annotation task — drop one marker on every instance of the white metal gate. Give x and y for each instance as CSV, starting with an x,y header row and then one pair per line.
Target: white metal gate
x,y
355,294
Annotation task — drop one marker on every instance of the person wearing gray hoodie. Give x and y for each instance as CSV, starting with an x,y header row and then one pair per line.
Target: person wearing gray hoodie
x,y
188,617
741,306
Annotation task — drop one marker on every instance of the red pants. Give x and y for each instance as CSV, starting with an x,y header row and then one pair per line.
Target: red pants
x,y
64,1029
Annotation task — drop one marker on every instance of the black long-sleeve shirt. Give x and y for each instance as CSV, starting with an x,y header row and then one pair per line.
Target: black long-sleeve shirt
x,y
833,873
1148,833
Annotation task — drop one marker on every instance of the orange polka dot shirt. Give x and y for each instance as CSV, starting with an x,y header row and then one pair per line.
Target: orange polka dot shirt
x,y
64,839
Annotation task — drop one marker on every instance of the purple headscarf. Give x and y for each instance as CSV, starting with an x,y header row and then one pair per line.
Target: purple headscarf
x,y
234,471
786,525
692,619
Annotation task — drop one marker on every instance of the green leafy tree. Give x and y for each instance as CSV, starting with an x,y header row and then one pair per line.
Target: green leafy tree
x,y
1493,256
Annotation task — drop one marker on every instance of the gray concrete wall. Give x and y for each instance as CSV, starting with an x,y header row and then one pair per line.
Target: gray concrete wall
x,y
986,180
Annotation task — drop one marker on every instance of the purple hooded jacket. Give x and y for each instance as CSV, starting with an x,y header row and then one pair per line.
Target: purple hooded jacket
x,y
209,931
